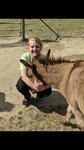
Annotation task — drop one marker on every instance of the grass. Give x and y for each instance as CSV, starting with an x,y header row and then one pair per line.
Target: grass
x,y
35,27
75,57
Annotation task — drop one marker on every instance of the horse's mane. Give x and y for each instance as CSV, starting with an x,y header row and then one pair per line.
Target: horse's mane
x,y
52,60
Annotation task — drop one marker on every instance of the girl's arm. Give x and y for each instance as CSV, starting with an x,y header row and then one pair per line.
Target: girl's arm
x,y
37,86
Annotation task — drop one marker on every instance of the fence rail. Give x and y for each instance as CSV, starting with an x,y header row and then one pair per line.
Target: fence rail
x,y
10,29
44,28
9,23
6,28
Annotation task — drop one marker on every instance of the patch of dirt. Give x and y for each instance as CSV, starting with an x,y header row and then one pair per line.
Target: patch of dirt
x,y
44,114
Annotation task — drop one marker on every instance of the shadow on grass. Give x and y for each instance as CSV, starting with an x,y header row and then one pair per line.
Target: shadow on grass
x,y
22,43
55,102
48,40
14,44
5,106
73,125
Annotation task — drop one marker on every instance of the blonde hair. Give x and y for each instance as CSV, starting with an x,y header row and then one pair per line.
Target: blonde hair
x,y
37,40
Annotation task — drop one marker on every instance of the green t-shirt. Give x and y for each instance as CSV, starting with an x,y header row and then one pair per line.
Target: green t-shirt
x,y
27,57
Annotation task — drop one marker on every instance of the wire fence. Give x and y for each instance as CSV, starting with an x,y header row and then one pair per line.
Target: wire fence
x,y
44,28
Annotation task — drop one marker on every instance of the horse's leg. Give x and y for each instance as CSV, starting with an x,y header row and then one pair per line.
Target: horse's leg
x,y
79,119
77,114
66,119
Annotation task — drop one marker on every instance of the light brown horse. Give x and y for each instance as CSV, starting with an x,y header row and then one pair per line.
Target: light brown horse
x,y
66,76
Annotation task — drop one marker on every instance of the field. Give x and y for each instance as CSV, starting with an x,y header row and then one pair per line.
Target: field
x,y
44,114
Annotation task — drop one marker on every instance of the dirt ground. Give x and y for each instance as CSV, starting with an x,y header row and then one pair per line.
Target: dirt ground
x,y
44,114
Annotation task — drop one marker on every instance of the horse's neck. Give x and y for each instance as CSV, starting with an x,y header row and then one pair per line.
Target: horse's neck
x,y
54,74
58,74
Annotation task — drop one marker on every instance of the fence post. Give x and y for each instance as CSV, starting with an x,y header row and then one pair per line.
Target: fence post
x,y
23,29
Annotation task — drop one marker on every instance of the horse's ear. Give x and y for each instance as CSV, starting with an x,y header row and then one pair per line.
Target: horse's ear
x,y
27,64
48,54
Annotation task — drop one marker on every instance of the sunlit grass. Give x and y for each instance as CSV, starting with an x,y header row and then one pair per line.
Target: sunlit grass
x,y
47,29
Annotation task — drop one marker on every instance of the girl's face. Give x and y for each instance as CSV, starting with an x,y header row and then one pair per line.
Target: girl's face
x,y
34,48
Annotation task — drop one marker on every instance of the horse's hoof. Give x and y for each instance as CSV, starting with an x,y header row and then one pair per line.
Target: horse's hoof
x,y
80,128
63,121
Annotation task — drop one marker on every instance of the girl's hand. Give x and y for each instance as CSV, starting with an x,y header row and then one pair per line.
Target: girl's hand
x,y
39,85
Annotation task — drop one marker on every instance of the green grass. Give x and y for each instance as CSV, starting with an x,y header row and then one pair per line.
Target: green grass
x,y
35,27
75,57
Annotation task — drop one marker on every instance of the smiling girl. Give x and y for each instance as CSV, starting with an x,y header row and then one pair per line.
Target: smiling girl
x,y
24,84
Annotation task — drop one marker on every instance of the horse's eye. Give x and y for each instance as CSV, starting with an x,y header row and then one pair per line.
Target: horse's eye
x,y
30,76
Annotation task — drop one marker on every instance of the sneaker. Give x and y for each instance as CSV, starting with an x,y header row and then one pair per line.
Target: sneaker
x,y
26,102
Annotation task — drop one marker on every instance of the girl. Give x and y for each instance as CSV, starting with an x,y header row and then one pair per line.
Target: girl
x,y
24,84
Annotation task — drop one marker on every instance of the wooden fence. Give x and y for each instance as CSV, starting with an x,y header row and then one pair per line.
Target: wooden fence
x,y
13,28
